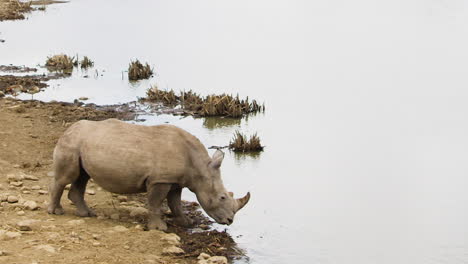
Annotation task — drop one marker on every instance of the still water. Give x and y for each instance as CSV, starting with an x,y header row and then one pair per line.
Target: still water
x,y
366,128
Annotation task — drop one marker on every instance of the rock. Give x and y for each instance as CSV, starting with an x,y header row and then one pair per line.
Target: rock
x,y
16,183
203,256
76,222
171,239
47,248
138,211
120,228
115,216
26,192
96,237
31,205
91,192
26,225
50,174
31,178
173,250
6,235
12,199
204,227
3,198
212,260
15,177
126,247
20,213
122,198
36,187
42,192
3,253
96,244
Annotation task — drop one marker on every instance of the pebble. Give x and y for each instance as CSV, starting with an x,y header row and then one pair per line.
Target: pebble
x,y
171,239
120,228
3,198
173,250
96,237
26,192
91,192
12,199
47,248
36,187
122,198
31,205
3,253
16,183
203,256
76,222
212,260
15,177
42,192
6,235
31,178
96,244
115,216
126,247
20,213
138,211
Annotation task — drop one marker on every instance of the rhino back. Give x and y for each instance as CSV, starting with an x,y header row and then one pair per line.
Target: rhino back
x,y
122,157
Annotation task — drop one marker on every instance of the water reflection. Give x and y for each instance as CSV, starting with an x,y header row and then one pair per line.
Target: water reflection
x,y
219,122
240,157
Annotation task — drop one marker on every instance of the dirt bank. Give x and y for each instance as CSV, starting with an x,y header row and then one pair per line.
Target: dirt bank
x,y
29,131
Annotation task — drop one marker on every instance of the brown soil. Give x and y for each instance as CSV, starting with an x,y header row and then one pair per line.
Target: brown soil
x,y
29,131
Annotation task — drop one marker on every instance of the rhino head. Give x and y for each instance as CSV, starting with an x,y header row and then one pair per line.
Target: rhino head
x,y
217,202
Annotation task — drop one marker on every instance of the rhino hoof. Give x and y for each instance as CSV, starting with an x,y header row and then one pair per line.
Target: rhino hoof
x,y
183,221
55,210
87,213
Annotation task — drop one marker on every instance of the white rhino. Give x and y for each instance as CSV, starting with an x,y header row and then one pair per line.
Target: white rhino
x,y
126,158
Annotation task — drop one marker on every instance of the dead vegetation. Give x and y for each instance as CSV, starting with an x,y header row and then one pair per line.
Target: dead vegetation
x,y
138,71
86,63
240,143
211,105
13,9
61,62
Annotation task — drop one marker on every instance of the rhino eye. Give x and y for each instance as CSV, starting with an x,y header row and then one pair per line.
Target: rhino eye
x,y
223,197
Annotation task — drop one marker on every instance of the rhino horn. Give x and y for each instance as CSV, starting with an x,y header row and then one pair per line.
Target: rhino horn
x,y
242,201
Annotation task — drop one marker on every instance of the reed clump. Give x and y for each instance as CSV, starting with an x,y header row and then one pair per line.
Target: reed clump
x,y
206,106
61,62
241,143
138,71
86,62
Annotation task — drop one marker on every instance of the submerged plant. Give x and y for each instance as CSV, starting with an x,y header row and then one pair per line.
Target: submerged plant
x,y
138,71
86,62
61,62
167,97
240,143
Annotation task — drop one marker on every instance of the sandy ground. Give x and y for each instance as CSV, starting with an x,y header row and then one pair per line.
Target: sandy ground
x,y
29,131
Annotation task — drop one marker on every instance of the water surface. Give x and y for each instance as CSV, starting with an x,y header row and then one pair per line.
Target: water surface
x,y
366,122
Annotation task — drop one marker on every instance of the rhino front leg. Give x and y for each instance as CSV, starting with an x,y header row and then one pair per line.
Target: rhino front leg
x,y
174,202
156,195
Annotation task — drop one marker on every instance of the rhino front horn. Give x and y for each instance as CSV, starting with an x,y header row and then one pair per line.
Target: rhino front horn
x,y
243,201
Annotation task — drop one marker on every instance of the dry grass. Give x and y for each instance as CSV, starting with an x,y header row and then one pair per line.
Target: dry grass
x,y
240,143
13,9
138,71
86,63
211,105
61,62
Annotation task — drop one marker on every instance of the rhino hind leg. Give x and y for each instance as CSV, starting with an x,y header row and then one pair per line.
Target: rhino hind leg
x,y
156,195
76,194
175,204
66,170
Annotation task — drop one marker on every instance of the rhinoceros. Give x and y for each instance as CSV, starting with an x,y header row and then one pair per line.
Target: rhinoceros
x,y
127,158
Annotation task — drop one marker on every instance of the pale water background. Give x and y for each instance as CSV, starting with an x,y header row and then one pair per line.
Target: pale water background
x,y
366,125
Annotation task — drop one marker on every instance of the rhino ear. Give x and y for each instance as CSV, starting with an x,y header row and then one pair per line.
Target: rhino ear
x,y
217,159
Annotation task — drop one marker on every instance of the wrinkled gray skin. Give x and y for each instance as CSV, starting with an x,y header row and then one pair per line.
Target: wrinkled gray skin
x,y
126,158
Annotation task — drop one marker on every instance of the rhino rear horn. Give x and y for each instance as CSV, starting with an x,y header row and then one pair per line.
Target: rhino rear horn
x,y
243,201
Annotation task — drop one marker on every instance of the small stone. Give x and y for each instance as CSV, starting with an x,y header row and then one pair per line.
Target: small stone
x,y
3,198
173,250
96,237
120,228
26,225
15,177
31,178
31,205
139,227
171,239
16,184
204,227
76,222
138,211
42,192
12,235
20,213
203,256
50,174
96,244
67,187
47,248
126,247
36,187
12,199
91,192
122,198
26,192
3,253
115,216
